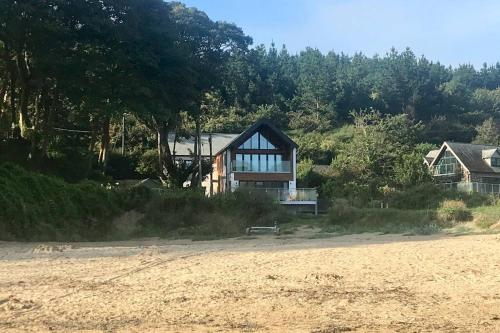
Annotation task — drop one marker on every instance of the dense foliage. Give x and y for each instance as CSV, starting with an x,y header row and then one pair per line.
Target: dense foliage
x,y
71,71
191,213
39,207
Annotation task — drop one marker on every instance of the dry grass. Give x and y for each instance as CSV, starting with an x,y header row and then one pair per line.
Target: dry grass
x,y
266,284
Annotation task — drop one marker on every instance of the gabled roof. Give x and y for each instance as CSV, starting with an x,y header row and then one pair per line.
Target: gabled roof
x,y
240,139
490,152
184,147
431,155
469,155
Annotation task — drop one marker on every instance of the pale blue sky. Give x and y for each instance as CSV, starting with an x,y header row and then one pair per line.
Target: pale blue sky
x,y
453,32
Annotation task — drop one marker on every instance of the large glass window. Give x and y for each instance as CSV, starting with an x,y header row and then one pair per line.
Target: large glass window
x,y
279,164
271,163
447,165
262,163
255,162
247,162
257,141
239,162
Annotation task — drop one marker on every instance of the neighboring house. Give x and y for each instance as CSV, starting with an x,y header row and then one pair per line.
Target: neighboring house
x,y
431,156
262,158
183,149
467,166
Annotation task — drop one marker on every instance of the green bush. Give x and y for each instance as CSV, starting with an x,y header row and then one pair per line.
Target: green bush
x,y
381,220
453,211
182,212
40,207
487,216
422,196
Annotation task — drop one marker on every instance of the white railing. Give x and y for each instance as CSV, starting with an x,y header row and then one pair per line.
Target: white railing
x,y
288,195
473,187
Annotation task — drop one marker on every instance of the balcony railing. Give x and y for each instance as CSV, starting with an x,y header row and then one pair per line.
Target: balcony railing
x,y
446,169
277,167
288,195
485,188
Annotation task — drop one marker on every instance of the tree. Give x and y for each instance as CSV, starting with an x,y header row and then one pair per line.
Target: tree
x,y
488,133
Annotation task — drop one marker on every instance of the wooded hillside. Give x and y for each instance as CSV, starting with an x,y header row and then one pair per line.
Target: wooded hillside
x,y
71,71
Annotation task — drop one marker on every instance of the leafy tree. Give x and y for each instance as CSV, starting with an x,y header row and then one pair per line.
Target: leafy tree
x,y
488,133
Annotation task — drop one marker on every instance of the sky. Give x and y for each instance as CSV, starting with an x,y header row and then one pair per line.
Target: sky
x,y
451,32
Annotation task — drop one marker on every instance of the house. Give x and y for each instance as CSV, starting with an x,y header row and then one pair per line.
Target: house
x,y
431,156
261,159
467,167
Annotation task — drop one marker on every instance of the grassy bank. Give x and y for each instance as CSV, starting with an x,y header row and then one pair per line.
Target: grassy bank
x,y
36,207
343,218
40,207
181,213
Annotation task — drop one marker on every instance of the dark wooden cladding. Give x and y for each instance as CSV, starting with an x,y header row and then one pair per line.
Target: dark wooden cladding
x,y
261,176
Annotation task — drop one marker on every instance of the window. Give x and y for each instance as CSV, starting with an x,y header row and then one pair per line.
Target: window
x,y
279,164
271,165
495,162
255,163
447,165
247,162
262,162
239,162
257,141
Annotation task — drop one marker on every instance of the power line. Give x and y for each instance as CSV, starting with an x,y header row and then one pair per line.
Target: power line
x,y
71,130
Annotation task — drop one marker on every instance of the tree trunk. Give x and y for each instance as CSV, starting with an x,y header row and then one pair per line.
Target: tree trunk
x,y
12,102
90,151
24,88
34,134
24,122
160,152
47,125
104,149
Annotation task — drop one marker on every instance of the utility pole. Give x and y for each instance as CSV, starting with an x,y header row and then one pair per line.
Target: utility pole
x,y
211,165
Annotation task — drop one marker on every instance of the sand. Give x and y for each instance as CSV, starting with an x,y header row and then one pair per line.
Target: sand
x,y
360,283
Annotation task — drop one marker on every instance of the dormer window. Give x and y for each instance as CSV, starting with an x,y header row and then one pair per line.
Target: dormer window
x,y
495,162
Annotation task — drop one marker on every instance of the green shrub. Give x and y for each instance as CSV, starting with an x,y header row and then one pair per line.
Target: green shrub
x,y
485,221
422,196
342,212
486,216
453,211
40,207
183,212
380,220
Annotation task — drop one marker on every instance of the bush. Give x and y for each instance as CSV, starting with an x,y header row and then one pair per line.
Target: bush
x,y
422,196
40,207
381,220
453,211
183,212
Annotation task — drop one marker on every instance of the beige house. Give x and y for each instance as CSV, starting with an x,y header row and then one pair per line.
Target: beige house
x,y
466,166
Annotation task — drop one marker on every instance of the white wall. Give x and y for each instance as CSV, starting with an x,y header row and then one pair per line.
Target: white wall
x,y
292,185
